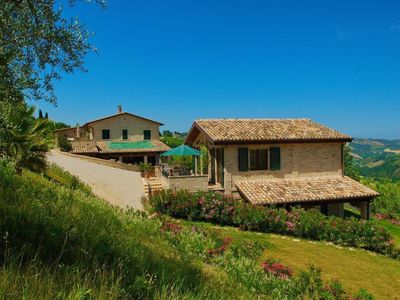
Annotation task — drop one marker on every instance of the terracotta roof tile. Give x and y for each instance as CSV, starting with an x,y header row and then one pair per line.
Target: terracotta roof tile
x,y
276,191
268,130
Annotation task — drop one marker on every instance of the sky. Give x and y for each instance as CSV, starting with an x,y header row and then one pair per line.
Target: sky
x,y
336,62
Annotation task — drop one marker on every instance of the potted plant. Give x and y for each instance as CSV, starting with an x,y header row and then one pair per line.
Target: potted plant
x,y
145,170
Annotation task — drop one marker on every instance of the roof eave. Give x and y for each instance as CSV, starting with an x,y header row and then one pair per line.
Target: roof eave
x,y
281,141
201,130
124,113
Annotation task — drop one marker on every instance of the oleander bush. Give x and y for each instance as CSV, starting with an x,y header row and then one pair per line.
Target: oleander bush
x,y
309,224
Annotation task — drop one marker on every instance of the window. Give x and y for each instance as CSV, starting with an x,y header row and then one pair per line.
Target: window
x,y
258,159
147,134
275,158
124,134
243,158
105,134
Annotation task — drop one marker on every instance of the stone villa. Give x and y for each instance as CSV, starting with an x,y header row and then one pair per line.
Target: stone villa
x,y
279,161
264,161
123,137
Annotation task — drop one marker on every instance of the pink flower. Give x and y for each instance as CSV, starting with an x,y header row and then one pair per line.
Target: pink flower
x,y
277,269
290,225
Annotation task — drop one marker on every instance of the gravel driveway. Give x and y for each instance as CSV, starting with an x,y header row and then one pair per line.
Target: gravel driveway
x,y
119,187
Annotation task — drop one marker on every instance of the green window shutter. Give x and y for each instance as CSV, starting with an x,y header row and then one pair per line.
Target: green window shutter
x,y
147,134
243,158
105,134
275,158
124,134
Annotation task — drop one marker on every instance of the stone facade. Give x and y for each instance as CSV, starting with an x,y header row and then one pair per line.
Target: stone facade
x,y
297,160
190,183
116,124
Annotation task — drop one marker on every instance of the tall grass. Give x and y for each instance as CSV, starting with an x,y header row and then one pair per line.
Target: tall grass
x,y
69,234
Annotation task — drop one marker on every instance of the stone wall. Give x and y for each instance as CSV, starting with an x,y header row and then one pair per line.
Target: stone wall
x,y
109,163
190,183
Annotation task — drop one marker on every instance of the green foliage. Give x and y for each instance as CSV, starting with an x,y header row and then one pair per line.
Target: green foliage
x,y
63,143
23,139
171,141
349,166
143,167
310,224
388,203
84,244
239,260
64,178
37,45
168,133
59,241
375,160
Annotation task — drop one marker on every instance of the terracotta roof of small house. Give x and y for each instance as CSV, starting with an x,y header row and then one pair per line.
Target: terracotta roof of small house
x,y
235,131
298,190
124,147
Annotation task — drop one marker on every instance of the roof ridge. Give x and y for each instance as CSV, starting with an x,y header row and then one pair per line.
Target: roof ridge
x,y
254,119
118,114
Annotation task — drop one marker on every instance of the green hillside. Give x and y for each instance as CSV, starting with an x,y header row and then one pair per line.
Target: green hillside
x,y
60,242
377,158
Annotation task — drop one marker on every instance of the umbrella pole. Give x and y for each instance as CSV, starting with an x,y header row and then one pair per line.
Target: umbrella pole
x,y
201,165
195,165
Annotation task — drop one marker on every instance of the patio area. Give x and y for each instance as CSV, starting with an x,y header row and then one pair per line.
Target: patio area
x,y
181,168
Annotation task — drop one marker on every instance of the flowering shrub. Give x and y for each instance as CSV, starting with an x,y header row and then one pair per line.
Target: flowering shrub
x,y
221,249
171,227
381,216
277,269
309,224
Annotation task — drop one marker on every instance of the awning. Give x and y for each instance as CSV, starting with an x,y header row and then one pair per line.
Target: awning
x,y
298,190
182,150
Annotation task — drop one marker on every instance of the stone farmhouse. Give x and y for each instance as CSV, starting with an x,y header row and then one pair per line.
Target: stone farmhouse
x,y
279,161
122,137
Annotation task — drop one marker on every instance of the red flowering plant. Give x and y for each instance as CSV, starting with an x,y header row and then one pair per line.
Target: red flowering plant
x,y
277,269
224,244
172,228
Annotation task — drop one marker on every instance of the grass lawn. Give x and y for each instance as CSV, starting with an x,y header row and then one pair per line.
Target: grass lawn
x,y
354,268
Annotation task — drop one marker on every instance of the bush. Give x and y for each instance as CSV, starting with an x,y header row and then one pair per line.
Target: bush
x,y
63,143
388,202
277,269
309,224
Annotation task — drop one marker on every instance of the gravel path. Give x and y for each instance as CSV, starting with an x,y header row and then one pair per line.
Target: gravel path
x,y
119,187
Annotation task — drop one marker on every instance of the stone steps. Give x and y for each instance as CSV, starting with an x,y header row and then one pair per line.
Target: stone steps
x,y
153,184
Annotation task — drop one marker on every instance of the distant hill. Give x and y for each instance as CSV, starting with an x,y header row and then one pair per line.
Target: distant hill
x,y
377,158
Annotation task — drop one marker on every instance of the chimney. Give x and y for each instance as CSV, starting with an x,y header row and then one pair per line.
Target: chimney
x,y
119,109
78,134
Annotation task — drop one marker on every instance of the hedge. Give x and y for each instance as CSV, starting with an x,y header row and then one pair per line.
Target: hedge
x,y
308,224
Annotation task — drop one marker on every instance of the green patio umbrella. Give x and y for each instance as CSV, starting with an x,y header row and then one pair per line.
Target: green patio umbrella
x,y
182,150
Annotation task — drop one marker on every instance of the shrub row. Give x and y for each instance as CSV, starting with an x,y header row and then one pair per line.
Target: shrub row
x,y
309,224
